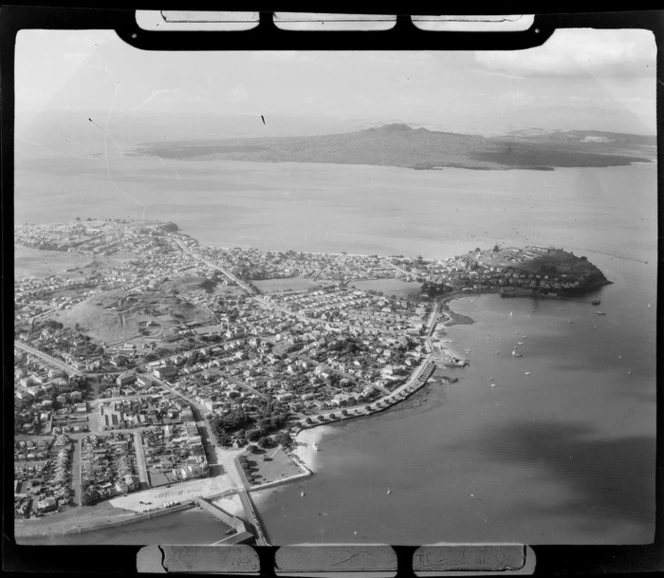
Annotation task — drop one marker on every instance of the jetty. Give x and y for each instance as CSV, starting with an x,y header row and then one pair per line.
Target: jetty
x,y
249,508
238,532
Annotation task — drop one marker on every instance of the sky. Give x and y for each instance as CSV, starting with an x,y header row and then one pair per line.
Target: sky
x,y
583,78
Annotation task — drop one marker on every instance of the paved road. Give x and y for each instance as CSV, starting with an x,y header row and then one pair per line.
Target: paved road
x,y
246,287
226,272
140,461
76,473
47,358
249,388
409,273
390,398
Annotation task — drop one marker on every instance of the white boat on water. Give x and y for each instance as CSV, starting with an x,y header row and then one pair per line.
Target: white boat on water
x,y
600,312
315,447
515,354
528,373
302,493
388,490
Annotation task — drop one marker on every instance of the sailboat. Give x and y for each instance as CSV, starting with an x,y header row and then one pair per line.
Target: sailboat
x,y
388,490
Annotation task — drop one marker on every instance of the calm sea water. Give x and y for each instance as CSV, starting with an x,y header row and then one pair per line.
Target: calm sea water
x,y
564,455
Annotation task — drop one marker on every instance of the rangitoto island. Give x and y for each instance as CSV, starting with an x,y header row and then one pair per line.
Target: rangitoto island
x,y
400,145
155,374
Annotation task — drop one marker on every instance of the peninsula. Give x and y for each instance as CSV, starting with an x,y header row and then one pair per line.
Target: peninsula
x,y
152,372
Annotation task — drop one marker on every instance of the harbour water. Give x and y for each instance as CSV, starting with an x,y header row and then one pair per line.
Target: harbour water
x,y
563,455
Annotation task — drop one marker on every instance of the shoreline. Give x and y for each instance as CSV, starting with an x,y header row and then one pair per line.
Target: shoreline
x,y
24,532
304,452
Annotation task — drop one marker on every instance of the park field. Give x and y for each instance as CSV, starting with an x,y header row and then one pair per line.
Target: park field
x,y
287,284
28,261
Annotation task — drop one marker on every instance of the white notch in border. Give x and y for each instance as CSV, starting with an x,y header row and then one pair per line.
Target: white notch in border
x,y
192,21
307,21
494,23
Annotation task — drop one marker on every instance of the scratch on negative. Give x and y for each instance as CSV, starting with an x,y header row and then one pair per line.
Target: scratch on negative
x,y
344,560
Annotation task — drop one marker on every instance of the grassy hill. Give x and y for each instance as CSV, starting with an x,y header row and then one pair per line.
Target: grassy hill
x,y
402,146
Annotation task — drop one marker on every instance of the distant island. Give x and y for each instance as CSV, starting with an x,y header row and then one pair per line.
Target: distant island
x,y
400,145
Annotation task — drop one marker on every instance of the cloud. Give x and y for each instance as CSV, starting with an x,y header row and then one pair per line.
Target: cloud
x,y
580,53
238,94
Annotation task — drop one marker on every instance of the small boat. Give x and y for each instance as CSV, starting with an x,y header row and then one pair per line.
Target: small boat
x,y
528,373
595,302
600,312
493,385
515,354
497,352
315,447
519,342
510,314
302,493
629,373
388,491
648,305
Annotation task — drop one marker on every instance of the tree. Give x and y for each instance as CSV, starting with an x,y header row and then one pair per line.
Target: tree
x,y
266,442
284,439
308,421
344,412
253,435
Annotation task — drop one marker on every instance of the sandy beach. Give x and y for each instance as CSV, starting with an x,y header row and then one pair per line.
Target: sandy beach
x,y
304,442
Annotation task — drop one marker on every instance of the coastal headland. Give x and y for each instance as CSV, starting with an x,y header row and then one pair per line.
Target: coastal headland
x,y
154,371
